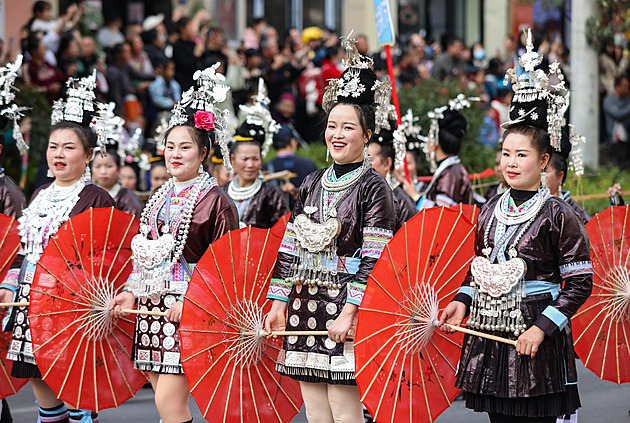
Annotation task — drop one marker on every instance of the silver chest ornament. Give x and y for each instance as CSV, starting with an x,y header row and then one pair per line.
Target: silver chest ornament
x,y
152,259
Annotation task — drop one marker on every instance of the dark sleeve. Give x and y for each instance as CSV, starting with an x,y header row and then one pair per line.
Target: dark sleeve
x,y
574,261
447,187
277,204
13,200
129,203
116,91
184,57
226,216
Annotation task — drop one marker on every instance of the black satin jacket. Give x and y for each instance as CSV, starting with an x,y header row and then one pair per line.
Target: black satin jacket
x,y
406,204
555,248
266,207
12,199
453,183
369,204
128,202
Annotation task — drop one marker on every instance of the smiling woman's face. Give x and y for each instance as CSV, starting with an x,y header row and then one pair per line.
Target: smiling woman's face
x,y
521,163
344,135
182,154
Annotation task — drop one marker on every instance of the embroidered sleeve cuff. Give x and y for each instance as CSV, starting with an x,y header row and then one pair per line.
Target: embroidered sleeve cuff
x,y
374,241
289,244
11,280
279,289
576,268
551,320
355,293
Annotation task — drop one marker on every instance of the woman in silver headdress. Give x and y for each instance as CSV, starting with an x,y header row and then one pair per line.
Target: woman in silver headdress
x,y
343,218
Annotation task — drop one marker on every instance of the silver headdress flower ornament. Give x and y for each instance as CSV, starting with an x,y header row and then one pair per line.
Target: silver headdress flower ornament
x,y
259,126
109,128
358,84
458,104
10,110
536,101
409,133
202,105
576,163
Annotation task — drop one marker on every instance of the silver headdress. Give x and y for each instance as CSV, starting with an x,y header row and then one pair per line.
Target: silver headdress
x,y
258,114
358,84
458,103
211,91
7,95
109,127
79,106
536,101
575,156
409,134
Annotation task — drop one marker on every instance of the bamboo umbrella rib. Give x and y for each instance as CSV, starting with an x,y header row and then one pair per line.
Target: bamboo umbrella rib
x,y
246,266
118,250
623,232
120,271
582,311
446,282
359,342
267,277
394,270
390,295
437,377
590,323
452,257
381,366
8,378
271,402
69,367
80,295
260,259
216,388
389,376
52,313
448,294
10,257
211,290
118,364
411,391
223,341
588,357
216,265
233,270
407,253
617,353
601,376
94,373
109,224
208,370
279,386
80,392
227,401
55,336
109,380
441,335
80,258
420,245
625,338
91,242
391,313
4,237
226,323
400,373
63,298
251,388
444,244
601,237
121,329
120,369
241,389
612,235
424,391
442,355
431,244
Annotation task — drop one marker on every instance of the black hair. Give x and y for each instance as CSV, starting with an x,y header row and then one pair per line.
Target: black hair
x,y
199,136
32,43
110,152
558,159
385,150
332,51
452,130
83,132
619,79
148,37
182,22
38,7
539,137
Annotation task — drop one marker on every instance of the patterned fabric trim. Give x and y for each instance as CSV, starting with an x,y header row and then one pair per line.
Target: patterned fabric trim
x,y
289,242
374,241
444,200
576,268
355,293
279,289
11,280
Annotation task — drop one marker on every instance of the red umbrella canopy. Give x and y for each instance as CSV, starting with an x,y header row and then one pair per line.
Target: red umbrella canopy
x,y
8,384
602,325
84,354
281,225
230,367
405,368
470,211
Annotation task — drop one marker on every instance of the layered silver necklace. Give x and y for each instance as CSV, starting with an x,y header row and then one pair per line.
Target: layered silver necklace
x,y
315,262
43,218
238,193
154,258
498,288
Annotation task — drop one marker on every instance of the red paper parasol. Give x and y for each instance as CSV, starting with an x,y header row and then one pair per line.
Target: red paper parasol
x,y
470,211
83,354
9,243
281,225
8,384
230,368
405,369
602,325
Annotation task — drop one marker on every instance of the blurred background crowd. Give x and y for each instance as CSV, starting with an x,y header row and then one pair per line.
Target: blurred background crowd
x,y
143,66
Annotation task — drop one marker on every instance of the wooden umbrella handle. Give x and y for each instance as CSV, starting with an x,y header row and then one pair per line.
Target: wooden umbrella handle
x,y
24,304
293,333
483,335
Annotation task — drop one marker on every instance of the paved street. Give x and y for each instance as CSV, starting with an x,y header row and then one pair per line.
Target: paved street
x,y
602,401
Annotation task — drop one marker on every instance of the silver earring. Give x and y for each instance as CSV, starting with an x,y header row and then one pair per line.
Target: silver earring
x,y
327,155
50,174
543,179
200,168
168,171
87,174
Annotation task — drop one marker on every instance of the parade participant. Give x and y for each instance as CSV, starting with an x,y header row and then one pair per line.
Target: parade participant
x,y
128,177
349,214
450,184
558,169
159,173
189,203
501,186
538,245
216,168
260,203
415,141
381,149
106,169
12,199
70,148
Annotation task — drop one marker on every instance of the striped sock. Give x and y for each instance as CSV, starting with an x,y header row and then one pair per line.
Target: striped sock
x,y
81,416
58,414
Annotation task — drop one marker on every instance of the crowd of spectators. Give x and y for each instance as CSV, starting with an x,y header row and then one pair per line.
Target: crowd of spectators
x,y
143,67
